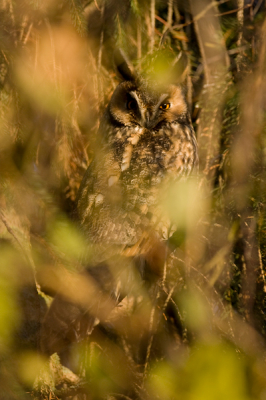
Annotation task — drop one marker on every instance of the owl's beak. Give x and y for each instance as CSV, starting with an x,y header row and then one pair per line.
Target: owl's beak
x,y
146,120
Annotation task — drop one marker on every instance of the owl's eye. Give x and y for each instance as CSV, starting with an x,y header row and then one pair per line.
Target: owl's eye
x,y
132,104
165,106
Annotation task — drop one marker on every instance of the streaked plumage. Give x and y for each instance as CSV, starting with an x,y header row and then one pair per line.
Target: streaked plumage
x,y
147,141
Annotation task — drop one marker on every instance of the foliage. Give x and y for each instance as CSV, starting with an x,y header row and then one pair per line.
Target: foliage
x,y
204,336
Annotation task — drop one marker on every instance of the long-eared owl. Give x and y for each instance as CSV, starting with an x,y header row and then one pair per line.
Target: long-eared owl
x,y
146,142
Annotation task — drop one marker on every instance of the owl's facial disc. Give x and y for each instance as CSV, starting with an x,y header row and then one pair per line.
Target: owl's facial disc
x,y
132,105
151,112
146,109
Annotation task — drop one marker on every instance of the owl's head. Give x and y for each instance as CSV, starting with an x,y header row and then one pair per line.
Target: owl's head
x,y
139,101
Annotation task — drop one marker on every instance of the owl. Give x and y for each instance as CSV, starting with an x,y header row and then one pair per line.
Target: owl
x,y
146,142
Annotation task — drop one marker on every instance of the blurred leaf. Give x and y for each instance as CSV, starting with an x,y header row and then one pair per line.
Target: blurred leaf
x,y
212,371
163,382
108,370
49,73
30,365
41,91
68,239
194,309
216,372
184,203
9,314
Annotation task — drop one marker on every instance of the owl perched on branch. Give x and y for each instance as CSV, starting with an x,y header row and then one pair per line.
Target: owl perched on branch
x,y
145,143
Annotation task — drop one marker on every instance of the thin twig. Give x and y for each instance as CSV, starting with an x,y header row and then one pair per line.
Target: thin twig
x,y
139,50
25,253
47,23
151,323
201,15
96,4
27,34
256,9
235,10
152,39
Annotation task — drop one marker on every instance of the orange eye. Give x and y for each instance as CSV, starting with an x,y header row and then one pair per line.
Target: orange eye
x,y
132,105
165,106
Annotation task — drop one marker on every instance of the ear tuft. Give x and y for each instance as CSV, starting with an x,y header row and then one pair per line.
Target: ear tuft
x,y
124,68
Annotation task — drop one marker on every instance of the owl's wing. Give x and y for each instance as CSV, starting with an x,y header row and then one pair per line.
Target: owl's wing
x,y
86,188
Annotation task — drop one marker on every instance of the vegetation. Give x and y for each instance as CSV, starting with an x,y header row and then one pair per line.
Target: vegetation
x,y
206,336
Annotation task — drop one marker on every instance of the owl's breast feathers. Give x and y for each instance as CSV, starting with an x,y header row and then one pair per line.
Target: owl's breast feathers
x,y
119,198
